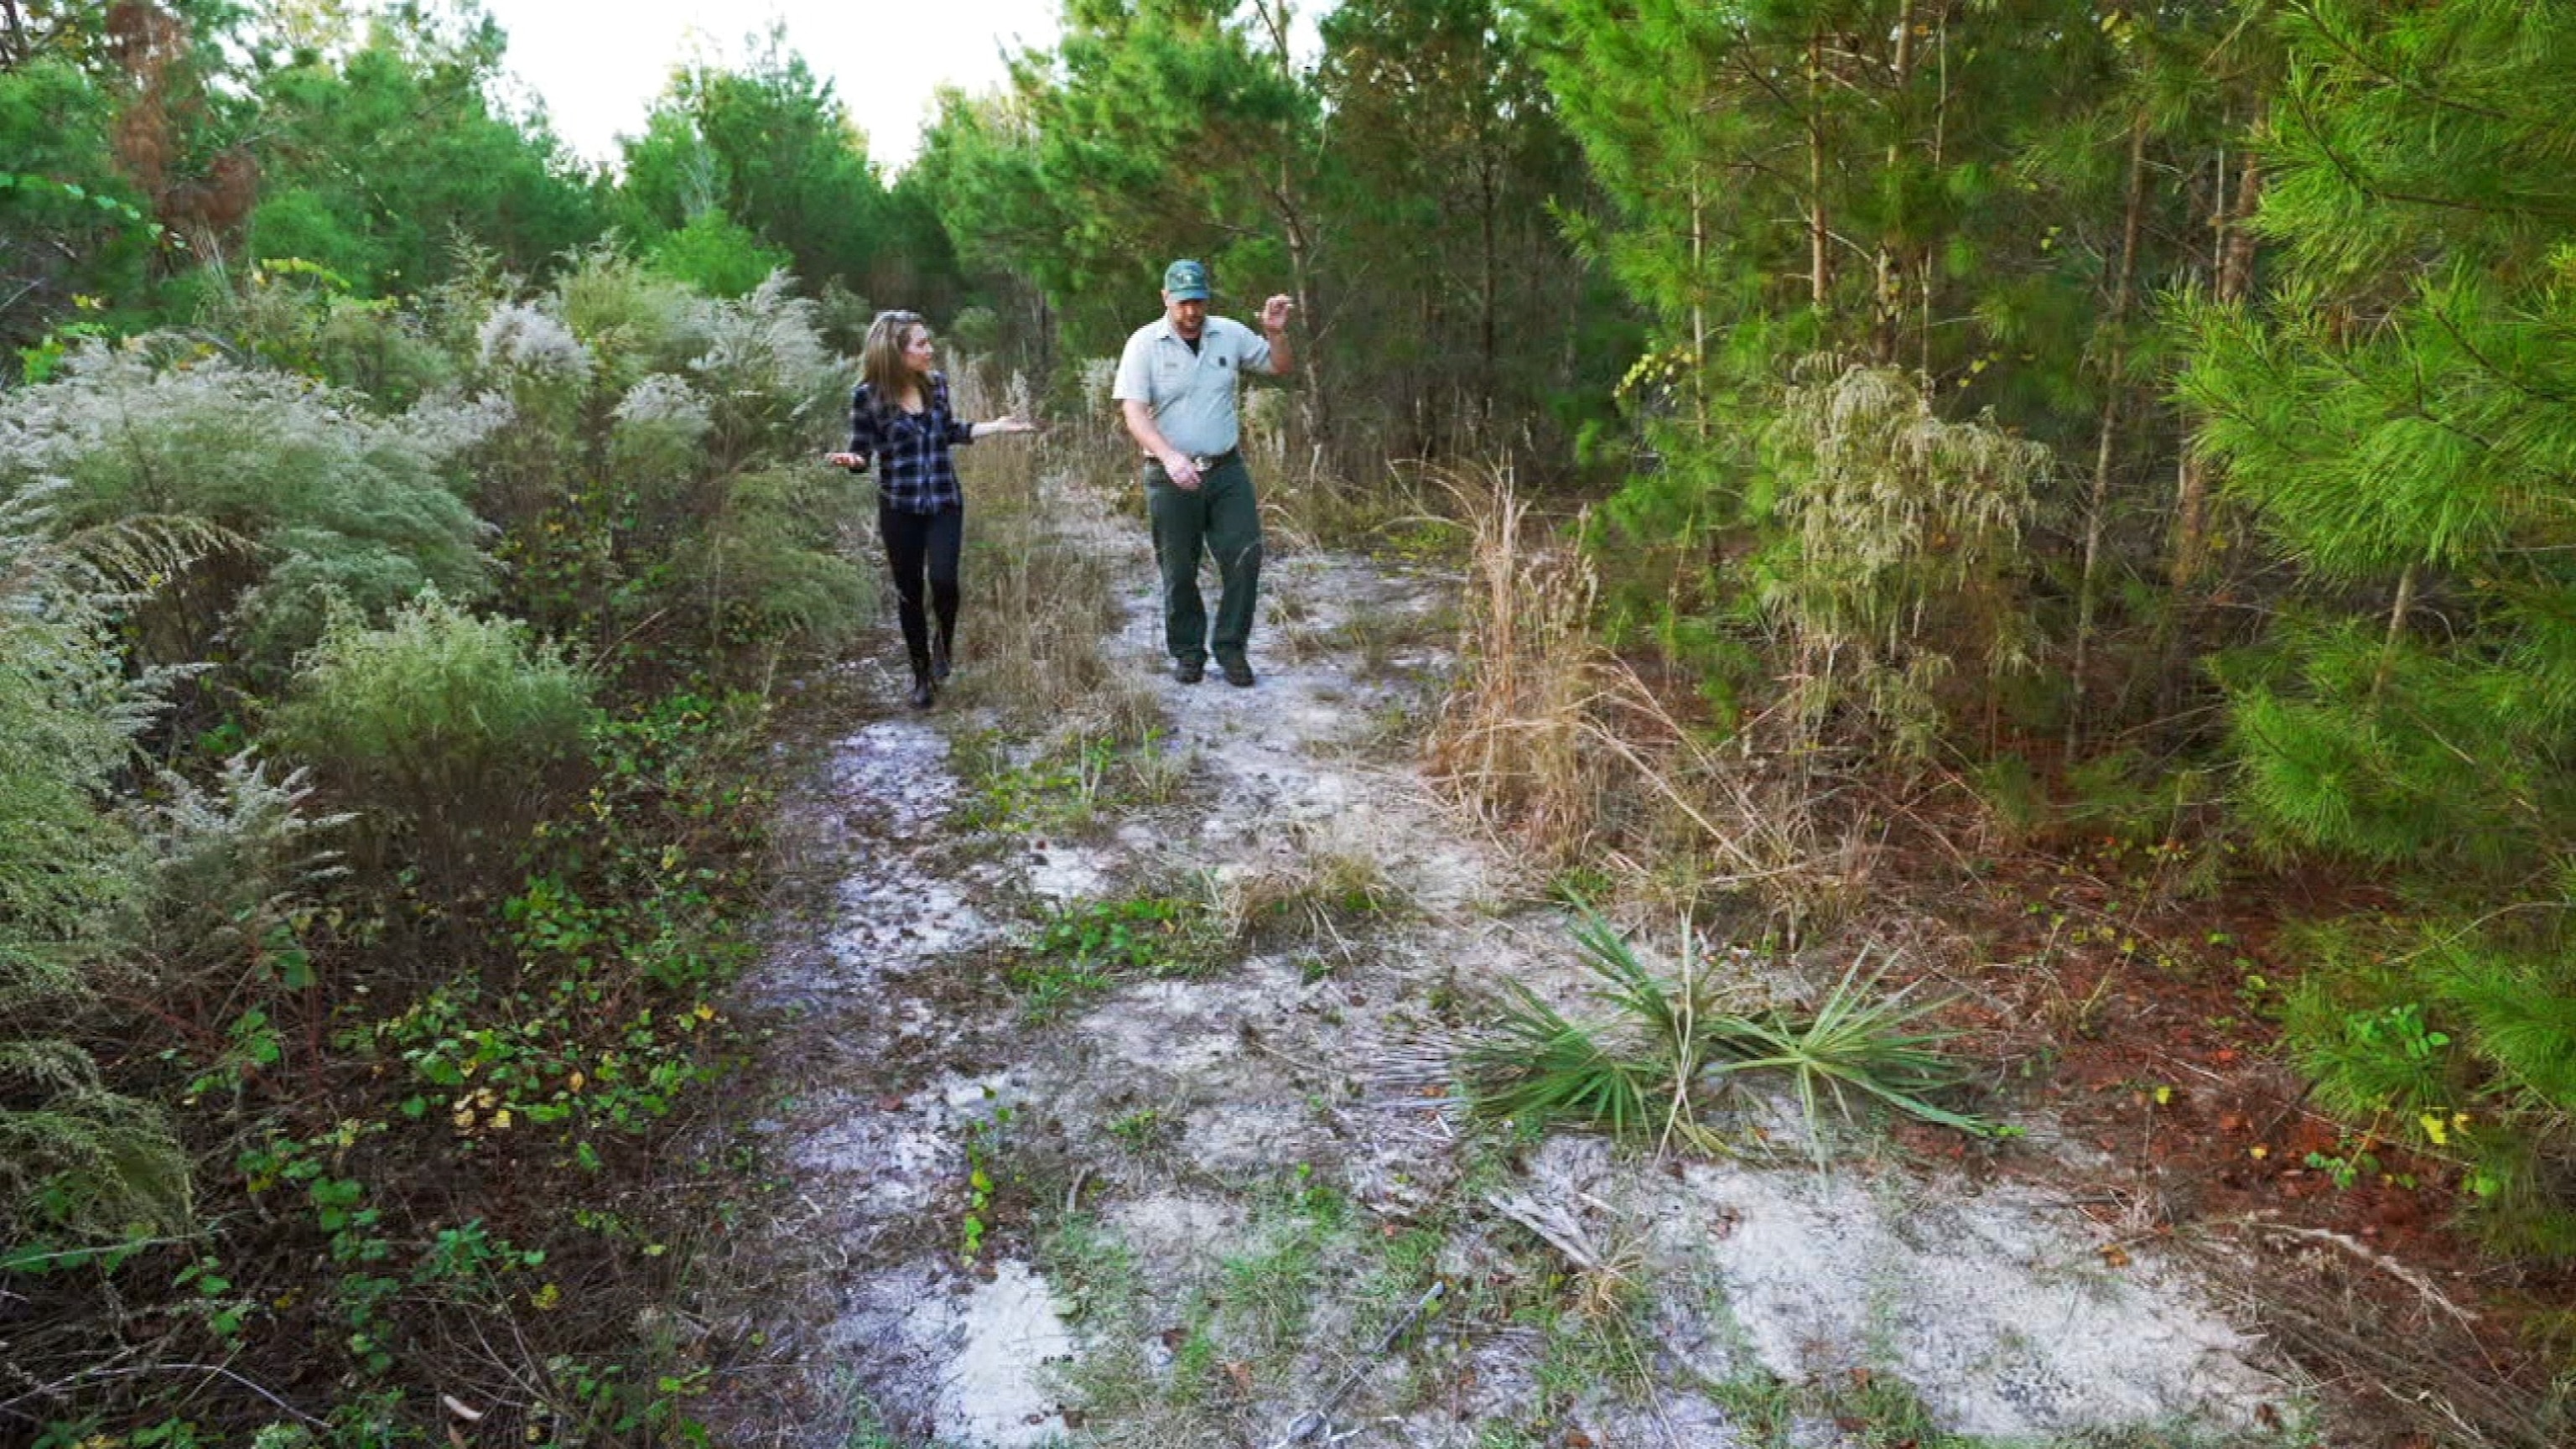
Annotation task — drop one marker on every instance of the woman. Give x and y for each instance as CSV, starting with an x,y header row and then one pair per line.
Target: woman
x,y
900,417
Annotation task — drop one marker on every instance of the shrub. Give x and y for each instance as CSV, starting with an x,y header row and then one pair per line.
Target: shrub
x,y
634,321
641,487
299,317
334,502
74,1157
768,570
775,385
442,724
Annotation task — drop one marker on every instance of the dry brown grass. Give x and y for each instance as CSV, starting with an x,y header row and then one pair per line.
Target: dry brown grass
x,y
1566,751
1038,604
1318,895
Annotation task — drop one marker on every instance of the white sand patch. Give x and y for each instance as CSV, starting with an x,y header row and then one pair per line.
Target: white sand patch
x,y
996,1339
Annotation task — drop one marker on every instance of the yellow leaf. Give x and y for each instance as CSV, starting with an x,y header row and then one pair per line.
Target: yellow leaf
x,y
2164,1096
2258,1152
2435,1128
501,1120
706,1012
577,1081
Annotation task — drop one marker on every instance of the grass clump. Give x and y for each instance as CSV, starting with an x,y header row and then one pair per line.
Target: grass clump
x,y
1671,1044
1066,786
1308,899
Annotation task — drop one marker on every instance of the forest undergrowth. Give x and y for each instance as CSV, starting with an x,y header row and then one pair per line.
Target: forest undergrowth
x,y
347,1083
2111,962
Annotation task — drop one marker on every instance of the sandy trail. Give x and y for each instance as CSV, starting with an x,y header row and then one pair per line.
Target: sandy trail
x,y
1210,1196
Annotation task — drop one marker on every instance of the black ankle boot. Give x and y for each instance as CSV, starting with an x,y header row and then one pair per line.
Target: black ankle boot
x,y
922,694
939,662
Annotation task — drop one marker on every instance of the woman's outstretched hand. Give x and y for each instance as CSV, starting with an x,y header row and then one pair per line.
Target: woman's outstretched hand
x,y
855,462
999,426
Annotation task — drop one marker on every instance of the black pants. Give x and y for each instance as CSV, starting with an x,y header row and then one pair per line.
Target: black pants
x,y
920,545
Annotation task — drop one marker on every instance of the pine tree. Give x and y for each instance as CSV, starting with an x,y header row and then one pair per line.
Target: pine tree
x,y
2400,419
1445,171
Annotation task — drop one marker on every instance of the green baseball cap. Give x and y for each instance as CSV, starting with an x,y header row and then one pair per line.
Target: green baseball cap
x,y
1186,280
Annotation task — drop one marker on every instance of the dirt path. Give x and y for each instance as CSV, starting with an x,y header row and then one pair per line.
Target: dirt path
x,y
1112,1106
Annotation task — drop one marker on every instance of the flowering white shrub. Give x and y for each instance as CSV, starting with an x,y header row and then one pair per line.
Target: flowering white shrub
x,y
666,401
75,1158
229,862
775,383
521,336
323,497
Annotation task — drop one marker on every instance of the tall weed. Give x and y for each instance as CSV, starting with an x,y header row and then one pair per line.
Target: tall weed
x,y
451,729
1038,601
1895,575
1567,750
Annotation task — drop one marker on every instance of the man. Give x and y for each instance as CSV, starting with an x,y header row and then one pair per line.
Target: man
x,y
1176,388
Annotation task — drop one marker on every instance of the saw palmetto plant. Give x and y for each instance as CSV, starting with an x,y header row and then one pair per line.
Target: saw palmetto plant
x,y
1667,1049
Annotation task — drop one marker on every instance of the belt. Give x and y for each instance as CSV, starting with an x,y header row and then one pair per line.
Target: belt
x,y
1210,462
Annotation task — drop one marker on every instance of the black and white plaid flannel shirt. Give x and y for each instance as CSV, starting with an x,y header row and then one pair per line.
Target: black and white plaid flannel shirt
x,y
909,451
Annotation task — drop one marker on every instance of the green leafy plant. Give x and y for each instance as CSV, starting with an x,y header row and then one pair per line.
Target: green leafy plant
x,y
983,1150
1082,950
413,720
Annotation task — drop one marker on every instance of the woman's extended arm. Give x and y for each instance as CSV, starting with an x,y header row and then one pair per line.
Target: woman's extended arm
x,y
863,433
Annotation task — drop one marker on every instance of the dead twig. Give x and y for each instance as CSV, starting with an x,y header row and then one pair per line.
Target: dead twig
x,y
1317,1421
2422,1285
211,1369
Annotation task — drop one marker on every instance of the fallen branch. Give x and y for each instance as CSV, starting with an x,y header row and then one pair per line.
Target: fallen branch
x,y
1317,1421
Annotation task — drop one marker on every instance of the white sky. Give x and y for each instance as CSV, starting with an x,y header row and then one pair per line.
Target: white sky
x,y
598,66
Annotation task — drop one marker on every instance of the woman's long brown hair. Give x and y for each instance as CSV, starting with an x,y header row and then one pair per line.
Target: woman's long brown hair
x,y
881,359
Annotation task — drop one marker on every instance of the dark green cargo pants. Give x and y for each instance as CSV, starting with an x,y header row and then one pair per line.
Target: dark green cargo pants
x,y
1220,517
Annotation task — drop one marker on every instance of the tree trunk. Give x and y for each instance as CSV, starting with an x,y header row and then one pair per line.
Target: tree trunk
x,y
2397,613
1892,261
1699,306
1300,239
1488,341
1817,277
2233,266
2089,591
